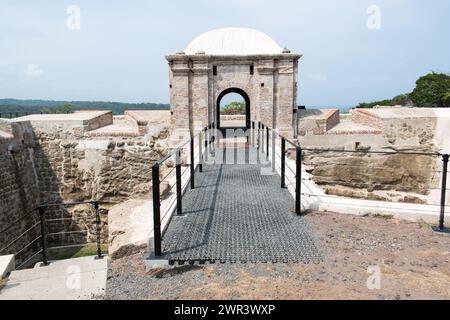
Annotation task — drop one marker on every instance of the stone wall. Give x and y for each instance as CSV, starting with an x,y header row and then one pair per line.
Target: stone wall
x,y
316,121
402,178
196,81
52,164
19,194
366,118
397,177
110,171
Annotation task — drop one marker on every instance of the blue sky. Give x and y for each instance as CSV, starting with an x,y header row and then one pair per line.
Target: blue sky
x,y
118,54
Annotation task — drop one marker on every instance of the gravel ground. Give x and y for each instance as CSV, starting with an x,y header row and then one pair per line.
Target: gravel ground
x,y
414,264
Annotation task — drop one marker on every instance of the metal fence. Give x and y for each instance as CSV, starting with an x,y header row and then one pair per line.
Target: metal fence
x,y
197,147
17,114
36,235
266,134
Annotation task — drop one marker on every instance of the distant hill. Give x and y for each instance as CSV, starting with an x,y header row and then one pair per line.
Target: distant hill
x,y
21,107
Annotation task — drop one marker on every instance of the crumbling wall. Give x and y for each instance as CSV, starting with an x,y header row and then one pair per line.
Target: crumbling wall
x,y
396,177
47,164
106,170
19,194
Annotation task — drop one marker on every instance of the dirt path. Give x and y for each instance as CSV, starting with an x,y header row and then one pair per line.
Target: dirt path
x,y
412,260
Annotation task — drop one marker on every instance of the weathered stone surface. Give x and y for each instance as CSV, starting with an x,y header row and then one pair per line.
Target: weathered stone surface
x,y
269,80
50,164
362,175
130,224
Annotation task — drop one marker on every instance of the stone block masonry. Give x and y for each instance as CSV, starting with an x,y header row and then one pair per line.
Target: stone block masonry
x,y
392,177
47,161
19,194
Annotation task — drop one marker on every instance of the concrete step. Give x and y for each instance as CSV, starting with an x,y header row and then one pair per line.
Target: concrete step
x,y
70,279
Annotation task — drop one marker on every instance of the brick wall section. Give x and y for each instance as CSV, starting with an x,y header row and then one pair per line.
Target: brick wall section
x,y
102,120
367,118
332,117
329,120
142,124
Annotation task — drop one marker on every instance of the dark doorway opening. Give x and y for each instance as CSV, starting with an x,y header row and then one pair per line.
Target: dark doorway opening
x,y
233,114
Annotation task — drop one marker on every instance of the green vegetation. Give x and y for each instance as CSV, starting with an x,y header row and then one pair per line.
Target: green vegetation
x,y
13,106
71,253
3,282
234,107
378,216
432,91
423,224
66,108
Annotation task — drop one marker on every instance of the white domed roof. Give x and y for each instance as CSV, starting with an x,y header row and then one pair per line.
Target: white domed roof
x,y
233,41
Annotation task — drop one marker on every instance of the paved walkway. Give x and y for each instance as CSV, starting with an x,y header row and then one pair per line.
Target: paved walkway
x,y
71,279
236,214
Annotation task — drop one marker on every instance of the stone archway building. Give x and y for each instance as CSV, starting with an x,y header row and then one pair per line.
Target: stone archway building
x,y
233,58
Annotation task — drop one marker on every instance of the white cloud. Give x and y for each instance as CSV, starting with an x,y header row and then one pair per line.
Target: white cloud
x,y
33,71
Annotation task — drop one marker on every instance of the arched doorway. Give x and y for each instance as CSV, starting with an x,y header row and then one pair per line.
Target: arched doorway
x,y
236,123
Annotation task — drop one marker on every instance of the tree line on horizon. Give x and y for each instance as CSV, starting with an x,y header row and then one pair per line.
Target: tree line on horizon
x,y
431,91
21,107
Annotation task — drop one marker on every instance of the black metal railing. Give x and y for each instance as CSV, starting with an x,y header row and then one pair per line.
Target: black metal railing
x,y
36,235
265,132
45,234
201,149
27,241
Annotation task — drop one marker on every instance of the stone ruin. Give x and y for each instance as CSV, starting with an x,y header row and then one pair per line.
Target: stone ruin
x,y
93,155
239,60
389,177
60,158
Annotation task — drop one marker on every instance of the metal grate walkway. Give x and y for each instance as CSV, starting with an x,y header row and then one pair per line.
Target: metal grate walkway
x,y
236,214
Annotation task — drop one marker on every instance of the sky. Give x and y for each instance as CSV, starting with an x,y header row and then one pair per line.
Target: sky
x,y
353,50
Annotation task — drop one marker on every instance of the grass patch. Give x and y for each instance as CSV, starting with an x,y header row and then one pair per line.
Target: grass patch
x,y
3,283
423,224
71,253
379,216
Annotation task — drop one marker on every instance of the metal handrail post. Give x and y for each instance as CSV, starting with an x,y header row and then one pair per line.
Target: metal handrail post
x,y
200,156
192,165
283,163
178,178
259,134
98,229
207,133
41,210
445,159
298,180
156,210
262,137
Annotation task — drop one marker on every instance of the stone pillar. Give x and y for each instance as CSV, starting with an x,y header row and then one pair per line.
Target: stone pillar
x,y
265,91
179,100
286,88
200,94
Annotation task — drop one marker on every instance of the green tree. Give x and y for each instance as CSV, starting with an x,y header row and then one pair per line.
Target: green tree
x,y
401,100
432,91
66,108
446,99
235,107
